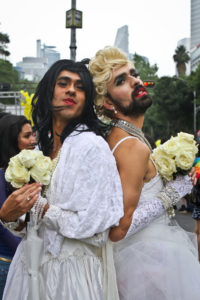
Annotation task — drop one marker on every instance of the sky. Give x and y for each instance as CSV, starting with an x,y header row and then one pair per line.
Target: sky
x,y
155,27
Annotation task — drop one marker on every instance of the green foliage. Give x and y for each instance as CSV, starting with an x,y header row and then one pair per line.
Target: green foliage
x,y
8,74
146,71
4,40
172,109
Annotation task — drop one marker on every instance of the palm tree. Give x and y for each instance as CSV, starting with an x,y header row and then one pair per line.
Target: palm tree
x,y
181,57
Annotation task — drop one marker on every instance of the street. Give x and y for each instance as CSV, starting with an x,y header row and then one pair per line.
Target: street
x,y
185,220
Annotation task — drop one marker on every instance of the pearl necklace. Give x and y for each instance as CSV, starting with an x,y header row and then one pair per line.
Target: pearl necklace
x,y
132,130
54,165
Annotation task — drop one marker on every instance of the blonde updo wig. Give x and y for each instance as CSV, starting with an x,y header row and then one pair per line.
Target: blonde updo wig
x,y
101,67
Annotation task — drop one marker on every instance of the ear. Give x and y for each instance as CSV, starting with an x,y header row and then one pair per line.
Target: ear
x,y
108,104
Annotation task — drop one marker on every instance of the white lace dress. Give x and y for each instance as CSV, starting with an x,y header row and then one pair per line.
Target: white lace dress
x,y
159,262
85,198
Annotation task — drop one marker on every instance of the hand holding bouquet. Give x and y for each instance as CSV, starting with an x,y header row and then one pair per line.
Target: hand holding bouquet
x,y
176,156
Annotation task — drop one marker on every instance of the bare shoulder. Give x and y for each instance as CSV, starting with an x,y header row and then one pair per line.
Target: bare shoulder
x,y
132,147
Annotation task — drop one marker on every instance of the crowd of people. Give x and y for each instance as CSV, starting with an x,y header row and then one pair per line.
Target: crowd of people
x,y
103,219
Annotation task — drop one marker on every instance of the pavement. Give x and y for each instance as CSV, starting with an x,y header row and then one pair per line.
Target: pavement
x,y
185,220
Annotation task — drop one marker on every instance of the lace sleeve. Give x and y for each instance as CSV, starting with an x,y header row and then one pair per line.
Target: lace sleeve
x,y
144,214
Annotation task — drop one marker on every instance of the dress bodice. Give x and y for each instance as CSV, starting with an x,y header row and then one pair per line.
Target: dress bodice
x,y
151,188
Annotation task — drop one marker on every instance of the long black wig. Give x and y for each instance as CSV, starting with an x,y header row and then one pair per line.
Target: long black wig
x,y
42,104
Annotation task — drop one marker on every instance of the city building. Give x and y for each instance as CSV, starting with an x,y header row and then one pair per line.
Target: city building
x,y
33,68
121,39
195,34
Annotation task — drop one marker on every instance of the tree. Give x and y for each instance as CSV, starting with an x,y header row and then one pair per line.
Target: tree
x,y
4,40
143,67
172,109
181,57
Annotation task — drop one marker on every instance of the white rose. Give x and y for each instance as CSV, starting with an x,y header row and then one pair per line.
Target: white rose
x,y
171,146
185,159
164,163
41,171
186,137
28,157
16,173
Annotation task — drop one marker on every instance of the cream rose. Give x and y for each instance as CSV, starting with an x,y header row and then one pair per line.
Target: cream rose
x,y
41,171
164,163
171,146
28,157
185,159
16,173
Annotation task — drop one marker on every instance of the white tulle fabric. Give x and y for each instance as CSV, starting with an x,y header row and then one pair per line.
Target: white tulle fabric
x,y
85,198
160,261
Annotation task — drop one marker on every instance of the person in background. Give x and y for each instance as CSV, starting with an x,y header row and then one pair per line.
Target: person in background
x,y
16,134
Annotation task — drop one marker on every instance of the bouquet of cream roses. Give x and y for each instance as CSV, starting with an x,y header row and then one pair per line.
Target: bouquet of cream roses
x,y
27,165
176,156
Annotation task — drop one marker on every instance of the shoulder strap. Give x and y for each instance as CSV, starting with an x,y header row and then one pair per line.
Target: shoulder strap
x,y
124,139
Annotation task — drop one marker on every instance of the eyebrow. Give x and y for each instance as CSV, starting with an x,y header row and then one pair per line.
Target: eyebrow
x,y
123,74
68,78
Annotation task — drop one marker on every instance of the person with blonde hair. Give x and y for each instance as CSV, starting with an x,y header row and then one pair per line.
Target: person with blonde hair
x,y
154,258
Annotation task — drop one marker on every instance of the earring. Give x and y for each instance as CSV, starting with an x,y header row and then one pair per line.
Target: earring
x,y
115,111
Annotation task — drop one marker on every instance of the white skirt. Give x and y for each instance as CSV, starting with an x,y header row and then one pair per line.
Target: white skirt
x,y
77,274
158,263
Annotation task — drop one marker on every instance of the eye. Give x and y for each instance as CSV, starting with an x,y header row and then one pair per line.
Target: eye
x,y
62,83
120,80
134,74
80,87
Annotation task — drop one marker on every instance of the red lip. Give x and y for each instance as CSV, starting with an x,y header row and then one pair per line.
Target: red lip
x,y
140,92
69,101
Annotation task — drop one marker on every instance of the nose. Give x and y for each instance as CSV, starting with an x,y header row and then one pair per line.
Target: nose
x,y
33,139
70,88
134,81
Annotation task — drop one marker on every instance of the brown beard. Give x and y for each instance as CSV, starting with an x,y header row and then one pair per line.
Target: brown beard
x,y
136,107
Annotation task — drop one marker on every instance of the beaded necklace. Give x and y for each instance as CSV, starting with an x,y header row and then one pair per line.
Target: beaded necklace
x,y
54,165
132,130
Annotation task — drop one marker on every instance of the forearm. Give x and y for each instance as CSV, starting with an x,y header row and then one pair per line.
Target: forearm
x,y
143,215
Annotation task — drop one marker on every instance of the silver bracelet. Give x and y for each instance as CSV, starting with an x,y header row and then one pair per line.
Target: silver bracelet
x,y
10,225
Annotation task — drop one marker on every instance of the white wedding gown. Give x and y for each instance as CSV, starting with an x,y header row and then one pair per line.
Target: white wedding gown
x,y
160,262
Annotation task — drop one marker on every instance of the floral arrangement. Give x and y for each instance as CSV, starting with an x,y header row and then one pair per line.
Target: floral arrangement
x,y
176,156
27,165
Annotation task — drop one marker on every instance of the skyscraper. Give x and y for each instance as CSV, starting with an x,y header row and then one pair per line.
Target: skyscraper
x,y
195,23
195,34
121,39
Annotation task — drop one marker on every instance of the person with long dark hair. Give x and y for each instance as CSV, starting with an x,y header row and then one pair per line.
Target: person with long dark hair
x,y
83,199
16,134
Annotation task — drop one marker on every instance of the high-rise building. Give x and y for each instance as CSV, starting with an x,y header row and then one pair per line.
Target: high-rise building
x,y
33,68
195,23
195,34
121,39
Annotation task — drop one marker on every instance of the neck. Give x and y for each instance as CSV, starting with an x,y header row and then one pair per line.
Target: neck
x,y
58,127
137,121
